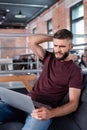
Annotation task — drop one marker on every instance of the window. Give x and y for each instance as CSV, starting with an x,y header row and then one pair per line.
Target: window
x,y
50,31
34,30
77,22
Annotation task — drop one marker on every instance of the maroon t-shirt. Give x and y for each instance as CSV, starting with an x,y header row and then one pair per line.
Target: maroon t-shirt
x,y
55,80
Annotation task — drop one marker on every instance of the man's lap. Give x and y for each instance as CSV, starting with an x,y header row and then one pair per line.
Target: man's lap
x,y
8,113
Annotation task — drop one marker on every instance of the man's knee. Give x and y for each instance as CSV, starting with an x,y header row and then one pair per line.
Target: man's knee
x,y
32,123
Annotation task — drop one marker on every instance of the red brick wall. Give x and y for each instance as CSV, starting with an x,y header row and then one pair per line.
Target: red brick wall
x,y
12,42
85,16
60,17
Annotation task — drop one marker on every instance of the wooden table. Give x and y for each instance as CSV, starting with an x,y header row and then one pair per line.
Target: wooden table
x,y
24,78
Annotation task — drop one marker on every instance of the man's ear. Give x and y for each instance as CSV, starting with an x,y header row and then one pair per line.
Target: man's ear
x,y
71,46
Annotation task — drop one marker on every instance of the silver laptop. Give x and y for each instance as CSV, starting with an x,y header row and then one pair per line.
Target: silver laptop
x,y
18,100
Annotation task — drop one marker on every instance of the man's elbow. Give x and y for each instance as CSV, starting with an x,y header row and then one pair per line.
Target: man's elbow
x,y
75,106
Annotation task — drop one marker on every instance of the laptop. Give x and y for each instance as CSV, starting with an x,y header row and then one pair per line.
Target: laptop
x,y
18,100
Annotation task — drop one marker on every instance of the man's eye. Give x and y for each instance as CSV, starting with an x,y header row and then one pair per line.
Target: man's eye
x,y
55,45
62,46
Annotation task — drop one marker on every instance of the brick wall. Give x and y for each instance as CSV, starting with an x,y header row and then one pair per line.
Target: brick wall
x,y
9,43
85,16
58,13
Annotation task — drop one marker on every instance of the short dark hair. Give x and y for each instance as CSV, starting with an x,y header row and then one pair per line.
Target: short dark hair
x,y
63,34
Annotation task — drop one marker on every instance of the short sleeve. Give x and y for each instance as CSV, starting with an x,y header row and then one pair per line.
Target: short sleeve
x,y
76,78
45,57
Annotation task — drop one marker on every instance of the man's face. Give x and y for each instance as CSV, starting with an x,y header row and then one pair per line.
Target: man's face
x,y
62,48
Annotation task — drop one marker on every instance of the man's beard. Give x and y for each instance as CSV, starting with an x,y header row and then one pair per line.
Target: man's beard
x,y
65,55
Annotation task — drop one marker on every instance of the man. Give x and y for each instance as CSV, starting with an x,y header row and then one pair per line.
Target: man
x,y
60,76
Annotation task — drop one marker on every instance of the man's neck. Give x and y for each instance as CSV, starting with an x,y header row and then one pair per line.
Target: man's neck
x,y
66,59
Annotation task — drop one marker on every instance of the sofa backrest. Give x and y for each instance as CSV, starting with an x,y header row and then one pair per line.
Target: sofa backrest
x,y
80,116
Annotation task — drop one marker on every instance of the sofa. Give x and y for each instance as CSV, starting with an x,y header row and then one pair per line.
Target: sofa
x,y
74,121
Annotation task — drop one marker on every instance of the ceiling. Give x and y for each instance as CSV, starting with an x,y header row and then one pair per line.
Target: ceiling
x,y
17,13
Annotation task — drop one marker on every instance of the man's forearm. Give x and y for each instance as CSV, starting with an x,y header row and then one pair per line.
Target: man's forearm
x,y
64,109
39,38
34,42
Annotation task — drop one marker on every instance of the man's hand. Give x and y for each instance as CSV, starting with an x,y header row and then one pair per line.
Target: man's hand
x,y
41,113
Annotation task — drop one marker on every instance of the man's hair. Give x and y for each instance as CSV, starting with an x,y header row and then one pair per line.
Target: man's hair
x,y
63,34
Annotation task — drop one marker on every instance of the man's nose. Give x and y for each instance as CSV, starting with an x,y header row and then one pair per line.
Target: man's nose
x,y
58,49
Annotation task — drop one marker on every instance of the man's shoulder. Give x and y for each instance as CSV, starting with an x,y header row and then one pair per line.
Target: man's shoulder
x,y
76,67
47,56
48,53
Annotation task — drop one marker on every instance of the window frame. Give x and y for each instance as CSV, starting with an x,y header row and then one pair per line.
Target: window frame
x,y
49,31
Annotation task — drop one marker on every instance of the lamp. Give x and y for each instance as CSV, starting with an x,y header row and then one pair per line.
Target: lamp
x,y
20,15
2,16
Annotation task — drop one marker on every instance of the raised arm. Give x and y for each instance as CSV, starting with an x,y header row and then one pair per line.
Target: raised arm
x,y
34,42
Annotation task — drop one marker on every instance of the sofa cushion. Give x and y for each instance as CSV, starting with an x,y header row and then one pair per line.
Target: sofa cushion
x,y
63,123
11,126
80,116
84,95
